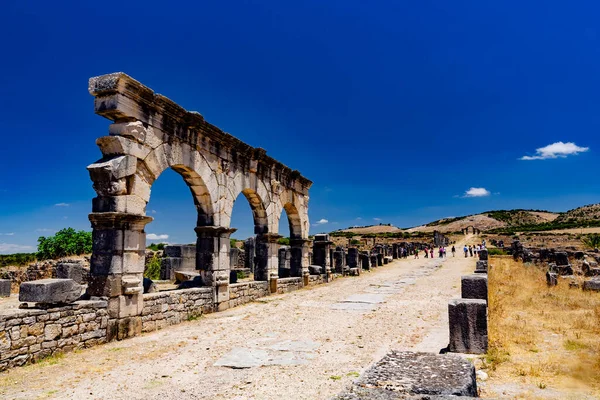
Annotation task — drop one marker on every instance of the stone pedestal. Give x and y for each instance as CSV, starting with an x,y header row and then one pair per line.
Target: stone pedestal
x,y
468,326
212,261
483,255
4,287
481,267
474,286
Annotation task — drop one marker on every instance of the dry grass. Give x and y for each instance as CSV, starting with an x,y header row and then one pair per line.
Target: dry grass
x,y
539,335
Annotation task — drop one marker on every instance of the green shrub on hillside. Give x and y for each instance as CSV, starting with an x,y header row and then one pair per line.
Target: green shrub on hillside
x,y
66,242
592,241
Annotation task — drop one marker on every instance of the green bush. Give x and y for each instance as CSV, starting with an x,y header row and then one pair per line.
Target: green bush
x,y
496,252
153,268
284,241
354,242
16,259
66,242
157,246
592,241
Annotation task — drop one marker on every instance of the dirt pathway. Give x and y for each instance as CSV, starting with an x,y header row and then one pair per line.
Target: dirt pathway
x,y
308,344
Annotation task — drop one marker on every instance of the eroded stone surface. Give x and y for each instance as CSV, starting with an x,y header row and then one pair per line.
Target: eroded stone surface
x,y
410,375
50,291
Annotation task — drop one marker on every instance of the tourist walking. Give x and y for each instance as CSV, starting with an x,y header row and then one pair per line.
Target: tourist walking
x,y
466,250
417,253
431,252
471,250
453,251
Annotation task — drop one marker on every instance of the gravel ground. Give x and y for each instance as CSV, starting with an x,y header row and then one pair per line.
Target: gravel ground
x,y
311,343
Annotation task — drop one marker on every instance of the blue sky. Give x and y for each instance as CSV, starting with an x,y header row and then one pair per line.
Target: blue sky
x,y
394,109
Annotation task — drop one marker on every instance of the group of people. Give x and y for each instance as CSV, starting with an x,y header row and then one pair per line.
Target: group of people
x,y
429,252
473,250
469,250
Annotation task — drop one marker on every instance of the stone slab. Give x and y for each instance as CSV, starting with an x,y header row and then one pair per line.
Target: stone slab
x,y
241,357
295,345
365,298
414,375
353,306
50,291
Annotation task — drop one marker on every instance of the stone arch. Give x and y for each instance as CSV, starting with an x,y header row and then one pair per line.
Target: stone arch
x,y
296,210
149,134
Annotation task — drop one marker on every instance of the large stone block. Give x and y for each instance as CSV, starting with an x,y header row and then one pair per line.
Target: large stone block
x,y
474,286
50,291
412,375
73,270
4,287
468,326
592,284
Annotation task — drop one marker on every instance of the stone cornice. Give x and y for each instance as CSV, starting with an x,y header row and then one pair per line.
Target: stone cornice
x,y
119,97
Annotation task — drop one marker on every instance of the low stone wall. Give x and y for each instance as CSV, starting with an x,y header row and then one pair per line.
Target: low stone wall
x,y
28,335
245,292
316,279
170,308
285,285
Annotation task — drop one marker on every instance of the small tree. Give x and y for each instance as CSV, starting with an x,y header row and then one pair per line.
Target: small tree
x,y
153,268
66,242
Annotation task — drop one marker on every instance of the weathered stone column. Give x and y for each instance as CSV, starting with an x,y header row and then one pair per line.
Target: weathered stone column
x,y
321,253
267,262
338,260
212,260
300,249
117,268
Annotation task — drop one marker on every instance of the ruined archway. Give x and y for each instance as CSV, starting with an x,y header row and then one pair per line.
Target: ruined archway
x,y
149,134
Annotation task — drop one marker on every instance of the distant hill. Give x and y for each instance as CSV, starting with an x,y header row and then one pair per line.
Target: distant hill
x,y
364,230
589,213
500,220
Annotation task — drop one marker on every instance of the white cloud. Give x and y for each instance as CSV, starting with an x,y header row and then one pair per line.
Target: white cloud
x,y
7,234
154,236
45,230
62,205
477,192
153,211
556,150
8,248
358,218
321,222
377,219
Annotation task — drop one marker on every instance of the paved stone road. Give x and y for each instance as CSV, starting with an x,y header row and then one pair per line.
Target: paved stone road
x,y
308,344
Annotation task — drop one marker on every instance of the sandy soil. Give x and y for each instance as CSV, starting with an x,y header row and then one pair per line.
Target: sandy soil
x,y
178,362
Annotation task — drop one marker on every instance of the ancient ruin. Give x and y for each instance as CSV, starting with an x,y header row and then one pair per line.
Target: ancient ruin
x,y
151,133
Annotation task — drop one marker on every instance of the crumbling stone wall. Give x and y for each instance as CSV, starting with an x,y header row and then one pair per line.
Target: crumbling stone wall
x,y
28,335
